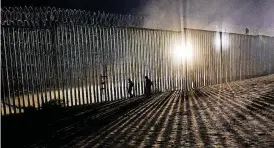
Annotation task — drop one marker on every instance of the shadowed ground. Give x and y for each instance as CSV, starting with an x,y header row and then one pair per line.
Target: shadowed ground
x,y
237,114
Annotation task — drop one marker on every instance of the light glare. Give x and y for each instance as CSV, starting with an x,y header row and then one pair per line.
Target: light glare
x,y
183,52
225,42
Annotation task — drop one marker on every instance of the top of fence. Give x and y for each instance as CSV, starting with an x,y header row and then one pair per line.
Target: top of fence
x,y
46,16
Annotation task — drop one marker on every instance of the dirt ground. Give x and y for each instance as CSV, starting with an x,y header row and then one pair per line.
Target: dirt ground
x,y
237,114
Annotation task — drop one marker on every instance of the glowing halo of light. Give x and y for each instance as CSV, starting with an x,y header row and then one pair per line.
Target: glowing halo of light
x,y
183,52
225,41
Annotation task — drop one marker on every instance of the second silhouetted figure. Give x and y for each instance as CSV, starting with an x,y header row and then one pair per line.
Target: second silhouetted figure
x,y
130,87
148,84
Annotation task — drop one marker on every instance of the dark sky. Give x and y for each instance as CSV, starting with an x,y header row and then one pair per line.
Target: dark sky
x,y
112,6
256,13
165,14
225,15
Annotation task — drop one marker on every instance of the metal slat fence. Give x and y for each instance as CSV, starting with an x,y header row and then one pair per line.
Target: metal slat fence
x,y
78,57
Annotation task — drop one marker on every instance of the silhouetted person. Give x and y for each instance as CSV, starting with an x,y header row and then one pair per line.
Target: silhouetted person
x,y
246,31
148,85
130,87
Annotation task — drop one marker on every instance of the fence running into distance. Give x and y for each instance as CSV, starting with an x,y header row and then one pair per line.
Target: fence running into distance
x,y
79,57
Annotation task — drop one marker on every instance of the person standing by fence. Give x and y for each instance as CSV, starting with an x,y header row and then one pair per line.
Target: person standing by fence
x,y
130,87
148,84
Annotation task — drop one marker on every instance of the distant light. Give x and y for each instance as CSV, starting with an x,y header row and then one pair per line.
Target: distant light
x,y
217,41
183,52
225,41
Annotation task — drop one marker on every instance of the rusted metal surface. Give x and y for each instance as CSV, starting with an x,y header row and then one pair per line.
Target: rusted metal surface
x,y
78,57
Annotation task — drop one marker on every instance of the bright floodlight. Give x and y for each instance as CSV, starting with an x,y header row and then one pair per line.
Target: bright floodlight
x,y
183,52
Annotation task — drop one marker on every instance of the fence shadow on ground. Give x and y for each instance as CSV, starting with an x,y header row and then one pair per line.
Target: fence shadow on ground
x,y
55,125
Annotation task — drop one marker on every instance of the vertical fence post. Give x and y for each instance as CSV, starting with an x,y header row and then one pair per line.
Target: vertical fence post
x,y
186,66
221,57
56,80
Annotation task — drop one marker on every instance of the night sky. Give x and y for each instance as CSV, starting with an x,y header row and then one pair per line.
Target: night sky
x,y
165,14
225,15
253,13
111,6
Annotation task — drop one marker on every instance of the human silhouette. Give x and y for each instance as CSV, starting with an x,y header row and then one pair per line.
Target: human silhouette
x,y
148,85
130,87
246,31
